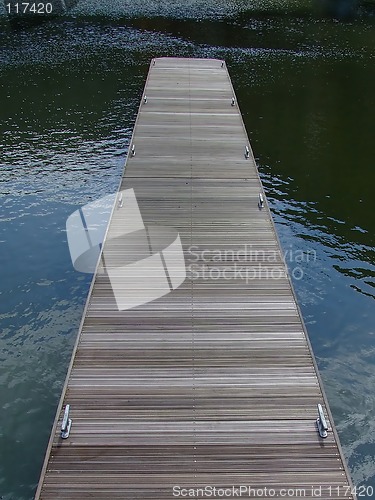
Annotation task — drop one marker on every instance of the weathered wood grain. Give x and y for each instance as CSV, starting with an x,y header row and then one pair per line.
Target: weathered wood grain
x,y
214,383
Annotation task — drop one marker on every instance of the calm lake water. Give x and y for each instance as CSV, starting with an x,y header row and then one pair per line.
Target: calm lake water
x,y
69,96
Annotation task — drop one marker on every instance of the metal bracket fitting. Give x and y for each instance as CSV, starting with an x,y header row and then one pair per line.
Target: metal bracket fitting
x,y
321,423
66,423
261,201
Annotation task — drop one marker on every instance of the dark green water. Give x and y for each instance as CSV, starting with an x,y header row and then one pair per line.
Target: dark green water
x,y
69,96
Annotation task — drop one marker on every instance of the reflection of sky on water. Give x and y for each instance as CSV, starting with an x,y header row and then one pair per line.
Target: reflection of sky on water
x,y
336,296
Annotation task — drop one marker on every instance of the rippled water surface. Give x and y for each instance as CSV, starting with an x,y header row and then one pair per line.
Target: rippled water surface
x,y
69,96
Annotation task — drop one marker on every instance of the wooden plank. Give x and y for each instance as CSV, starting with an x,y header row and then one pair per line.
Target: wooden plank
x,y
214,383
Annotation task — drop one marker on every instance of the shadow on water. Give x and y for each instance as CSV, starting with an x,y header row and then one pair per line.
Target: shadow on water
x,y
96,11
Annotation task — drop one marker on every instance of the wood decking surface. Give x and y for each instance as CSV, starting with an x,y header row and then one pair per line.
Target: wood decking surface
x,y
213,384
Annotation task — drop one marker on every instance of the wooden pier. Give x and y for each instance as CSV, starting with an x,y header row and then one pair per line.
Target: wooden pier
x,y
213,385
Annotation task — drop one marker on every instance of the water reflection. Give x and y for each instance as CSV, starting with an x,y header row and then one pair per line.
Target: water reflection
x,y
336,295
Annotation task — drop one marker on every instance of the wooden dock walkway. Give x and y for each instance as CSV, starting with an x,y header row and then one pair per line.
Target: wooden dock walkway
x,y
213,384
